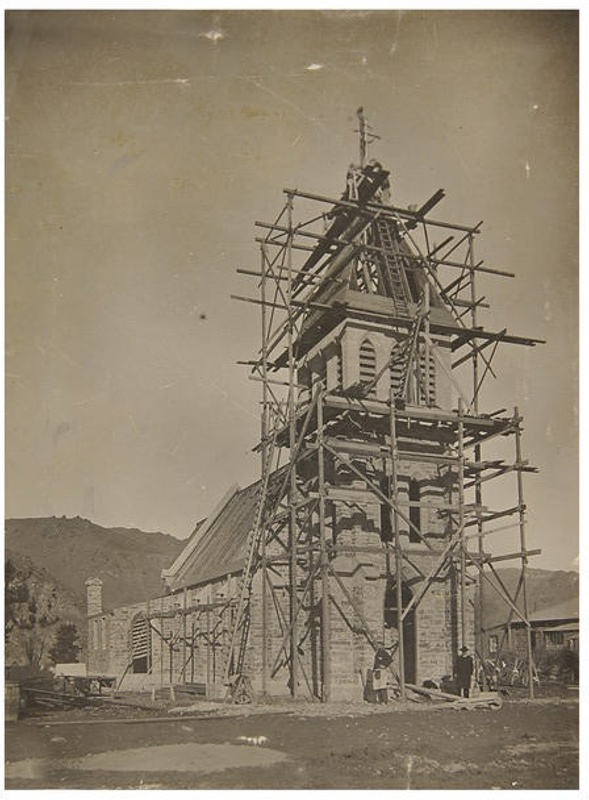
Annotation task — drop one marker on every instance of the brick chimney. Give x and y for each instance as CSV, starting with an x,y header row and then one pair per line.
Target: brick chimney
x,y
93,596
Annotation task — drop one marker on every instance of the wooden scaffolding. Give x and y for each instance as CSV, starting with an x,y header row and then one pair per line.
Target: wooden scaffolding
x,y
308,255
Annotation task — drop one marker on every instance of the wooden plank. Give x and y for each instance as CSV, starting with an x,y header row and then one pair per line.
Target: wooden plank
x,y
298,303
432,693
436,197
432,458
392,210
419,413
505,557
495,515
294,245
484,700
355,448
466,335
478,349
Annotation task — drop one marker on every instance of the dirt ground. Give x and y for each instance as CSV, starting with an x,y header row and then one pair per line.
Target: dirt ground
x,y
198,744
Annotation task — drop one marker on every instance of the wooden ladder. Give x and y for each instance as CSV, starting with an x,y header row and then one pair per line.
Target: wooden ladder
x,y
393,269
408,354
241,622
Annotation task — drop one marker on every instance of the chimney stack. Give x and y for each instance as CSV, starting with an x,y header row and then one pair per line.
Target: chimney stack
x,y
93,596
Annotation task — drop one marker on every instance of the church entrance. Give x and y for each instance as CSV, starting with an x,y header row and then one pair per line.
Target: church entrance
x,y
409,626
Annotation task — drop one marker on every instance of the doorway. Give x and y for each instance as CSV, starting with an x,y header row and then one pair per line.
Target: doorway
x,y
409,626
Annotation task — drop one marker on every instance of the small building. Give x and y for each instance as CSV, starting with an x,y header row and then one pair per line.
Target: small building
x,y
552,627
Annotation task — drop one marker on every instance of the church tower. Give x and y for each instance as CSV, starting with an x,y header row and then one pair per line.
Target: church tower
x,y
371,526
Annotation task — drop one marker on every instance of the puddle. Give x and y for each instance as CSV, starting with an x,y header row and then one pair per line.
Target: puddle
x,y
30,769
200,758
539,747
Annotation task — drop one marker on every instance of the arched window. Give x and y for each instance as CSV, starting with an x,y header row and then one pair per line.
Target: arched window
x,y
368,365
141,644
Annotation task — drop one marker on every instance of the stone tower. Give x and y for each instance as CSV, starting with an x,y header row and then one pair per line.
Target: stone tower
x,y
384,366
371,433
371,525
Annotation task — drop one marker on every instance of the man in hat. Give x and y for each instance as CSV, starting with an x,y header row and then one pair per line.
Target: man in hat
x,y
464,670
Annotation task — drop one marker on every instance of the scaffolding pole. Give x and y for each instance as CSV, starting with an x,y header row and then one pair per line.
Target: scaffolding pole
x,y
480,644
325,587
293,532
397,538
184,604
461,522
522,539
265,466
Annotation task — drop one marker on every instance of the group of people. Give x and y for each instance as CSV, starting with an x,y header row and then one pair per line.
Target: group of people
x,y
383,659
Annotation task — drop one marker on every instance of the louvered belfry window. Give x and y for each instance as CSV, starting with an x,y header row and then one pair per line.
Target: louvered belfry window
x,y
339,370
368,365
427,377
140,644
396,376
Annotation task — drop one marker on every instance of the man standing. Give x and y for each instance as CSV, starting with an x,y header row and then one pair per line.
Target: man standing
x,y
464,670
382,659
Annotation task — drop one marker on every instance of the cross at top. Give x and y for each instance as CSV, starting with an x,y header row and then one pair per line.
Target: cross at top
x,y
365,134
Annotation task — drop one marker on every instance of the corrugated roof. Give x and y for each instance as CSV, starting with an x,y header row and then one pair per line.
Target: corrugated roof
x,y
567,627
221,548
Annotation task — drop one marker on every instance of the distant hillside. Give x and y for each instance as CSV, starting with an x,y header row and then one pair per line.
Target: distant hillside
x,y
70,551
63,553
56,602
544,588
67,604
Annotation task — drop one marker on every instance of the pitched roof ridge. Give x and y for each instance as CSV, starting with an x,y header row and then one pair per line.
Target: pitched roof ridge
x,y
171,573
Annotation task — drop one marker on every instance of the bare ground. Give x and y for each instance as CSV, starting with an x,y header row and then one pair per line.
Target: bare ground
x,y
524,745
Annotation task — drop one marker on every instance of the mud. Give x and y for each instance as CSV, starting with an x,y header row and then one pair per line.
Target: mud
x,y
524,745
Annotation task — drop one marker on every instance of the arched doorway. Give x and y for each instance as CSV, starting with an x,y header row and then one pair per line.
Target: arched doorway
x,y
140,644
409,627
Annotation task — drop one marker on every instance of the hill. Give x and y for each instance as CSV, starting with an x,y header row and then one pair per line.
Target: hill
x,y
129,562
544,588
32,618
57,556
70,551
41,583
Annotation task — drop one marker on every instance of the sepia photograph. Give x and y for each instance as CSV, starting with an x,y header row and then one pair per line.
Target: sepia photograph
x,y
292,399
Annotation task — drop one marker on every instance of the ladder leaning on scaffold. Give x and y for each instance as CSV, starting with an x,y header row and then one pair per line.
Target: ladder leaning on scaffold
x,y
242,619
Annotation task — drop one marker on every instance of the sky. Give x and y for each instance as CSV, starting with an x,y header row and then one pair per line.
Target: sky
x,y
140,149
